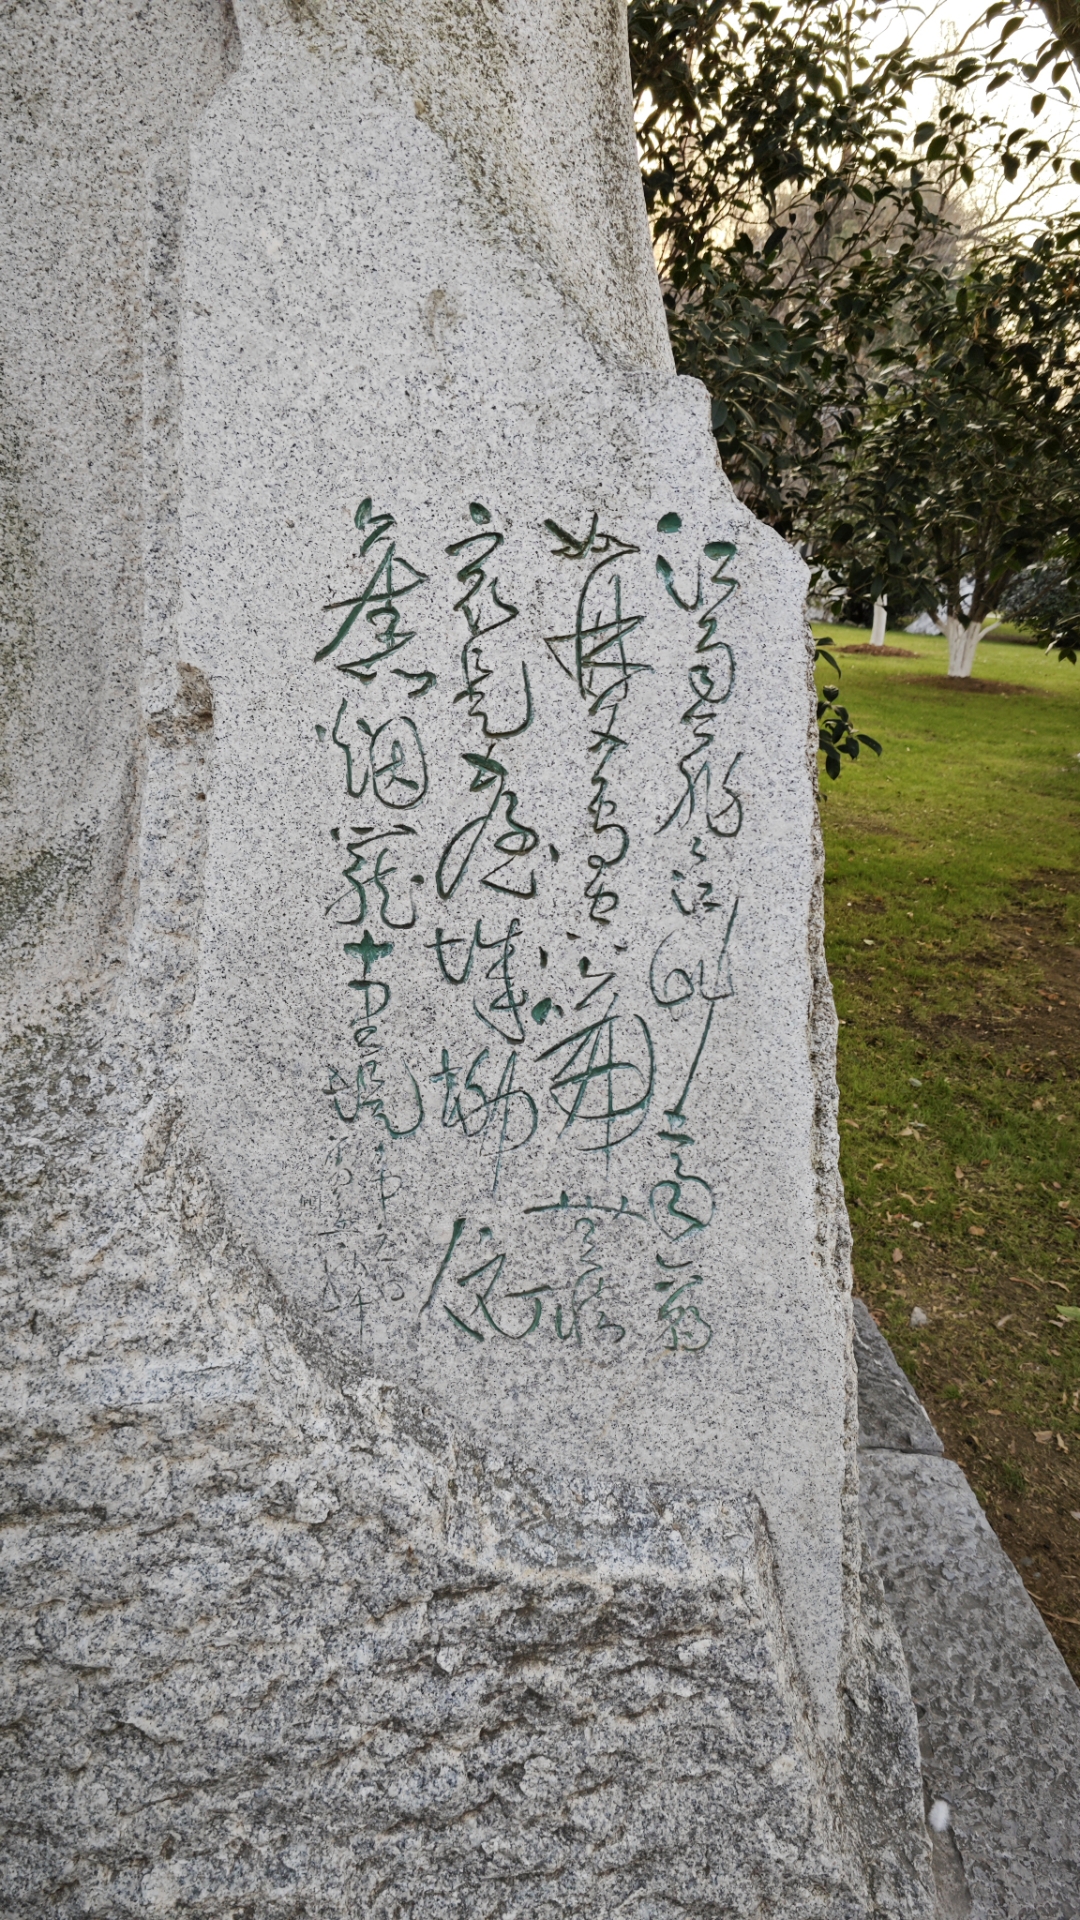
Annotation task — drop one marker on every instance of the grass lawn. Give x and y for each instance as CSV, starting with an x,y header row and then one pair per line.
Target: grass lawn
x,y
953,929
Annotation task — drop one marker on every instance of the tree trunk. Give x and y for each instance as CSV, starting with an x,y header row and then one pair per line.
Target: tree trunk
x,y
963,638
877,630
1064,18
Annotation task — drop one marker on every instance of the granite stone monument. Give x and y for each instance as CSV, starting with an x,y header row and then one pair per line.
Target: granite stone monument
x,y
433,1424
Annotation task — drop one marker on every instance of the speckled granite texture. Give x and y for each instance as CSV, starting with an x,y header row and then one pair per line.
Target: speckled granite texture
x,y
430,1420
999,1713
276,1644
891,1416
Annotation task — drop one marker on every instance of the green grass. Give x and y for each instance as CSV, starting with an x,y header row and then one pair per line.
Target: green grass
x,y
953,918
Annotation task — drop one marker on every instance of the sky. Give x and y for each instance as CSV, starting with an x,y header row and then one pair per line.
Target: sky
x,y
935,27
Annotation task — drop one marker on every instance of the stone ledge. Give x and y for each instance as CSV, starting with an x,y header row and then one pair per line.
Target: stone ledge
x,y
999,1713
891,1416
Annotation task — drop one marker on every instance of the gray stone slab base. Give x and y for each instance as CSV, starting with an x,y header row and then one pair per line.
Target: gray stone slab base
x,y
999,1713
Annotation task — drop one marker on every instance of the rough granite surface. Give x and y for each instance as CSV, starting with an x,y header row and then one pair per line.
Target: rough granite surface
x,y
430,1415
278,1645
999,1712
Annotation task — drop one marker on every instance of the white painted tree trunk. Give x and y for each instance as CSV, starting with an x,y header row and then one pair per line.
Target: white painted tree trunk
x,y
963,637
877,630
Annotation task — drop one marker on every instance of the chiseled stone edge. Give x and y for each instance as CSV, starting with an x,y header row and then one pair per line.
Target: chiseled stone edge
x,y
878,1788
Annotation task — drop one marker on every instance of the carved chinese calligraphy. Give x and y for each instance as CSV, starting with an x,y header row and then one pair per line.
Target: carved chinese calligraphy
x,y
595,655
540,1042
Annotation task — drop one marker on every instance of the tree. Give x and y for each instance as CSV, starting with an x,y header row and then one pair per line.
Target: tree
x,y
962,474
1046,597
796,210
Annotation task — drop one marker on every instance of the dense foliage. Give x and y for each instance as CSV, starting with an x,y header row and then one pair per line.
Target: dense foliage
x,y
962,474
889,387
794,210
